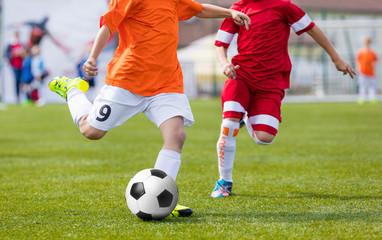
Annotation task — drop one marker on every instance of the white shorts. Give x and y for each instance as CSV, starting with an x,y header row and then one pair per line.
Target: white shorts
x,y
114,105
367,81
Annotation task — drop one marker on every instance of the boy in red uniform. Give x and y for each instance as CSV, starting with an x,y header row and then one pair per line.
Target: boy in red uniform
x,y
259,74
143,76
366,60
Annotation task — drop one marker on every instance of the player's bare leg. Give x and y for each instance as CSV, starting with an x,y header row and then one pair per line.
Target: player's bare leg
x,y
260,137
168,160
88,131
264,136
173,133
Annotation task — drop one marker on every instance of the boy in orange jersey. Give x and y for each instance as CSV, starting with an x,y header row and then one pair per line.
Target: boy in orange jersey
x,y
144,75
366,60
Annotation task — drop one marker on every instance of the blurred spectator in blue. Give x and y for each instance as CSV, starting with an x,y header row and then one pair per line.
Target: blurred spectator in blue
x,y
33,73
80,63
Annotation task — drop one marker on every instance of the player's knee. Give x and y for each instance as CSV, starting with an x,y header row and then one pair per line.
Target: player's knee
x,y
91,133
175,139
263,138
180,135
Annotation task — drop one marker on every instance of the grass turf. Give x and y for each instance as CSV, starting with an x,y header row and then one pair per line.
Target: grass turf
x,y
321,179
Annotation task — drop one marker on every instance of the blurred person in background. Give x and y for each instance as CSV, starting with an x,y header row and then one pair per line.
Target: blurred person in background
x,y
39,30
15,54
367,81
33,73
81,73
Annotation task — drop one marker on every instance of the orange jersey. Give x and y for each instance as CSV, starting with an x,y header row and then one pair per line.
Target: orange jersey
x,y
145,61
366,59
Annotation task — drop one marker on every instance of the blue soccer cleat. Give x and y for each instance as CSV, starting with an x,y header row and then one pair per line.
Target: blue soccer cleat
x,y
242,123
222,189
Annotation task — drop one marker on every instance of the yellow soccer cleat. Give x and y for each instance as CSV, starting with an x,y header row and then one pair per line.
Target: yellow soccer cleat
x,y
180,211
61,85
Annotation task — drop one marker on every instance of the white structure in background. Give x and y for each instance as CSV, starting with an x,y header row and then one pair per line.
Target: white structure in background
x,y
73,22
199,59
312,73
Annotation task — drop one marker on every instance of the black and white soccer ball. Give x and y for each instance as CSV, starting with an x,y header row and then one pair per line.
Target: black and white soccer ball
x,y
151,194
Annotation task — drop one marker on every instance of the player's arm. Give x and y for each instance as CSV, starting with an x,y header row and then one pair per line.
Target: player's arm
x,y
212,11
319,36
90,66
228,68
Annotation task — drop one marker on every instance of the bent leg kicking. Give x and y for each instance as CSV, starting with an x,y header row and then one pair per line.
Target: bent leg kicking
x,y
88,131
263,138
262,128
73,91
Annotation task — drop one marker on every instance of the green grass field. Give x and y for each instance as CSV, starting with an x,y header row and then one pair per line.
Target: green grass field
x,y
321,179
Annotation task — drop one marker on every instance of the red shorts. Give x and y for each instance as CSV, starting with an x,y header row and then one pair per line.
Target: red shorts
x,y
263,107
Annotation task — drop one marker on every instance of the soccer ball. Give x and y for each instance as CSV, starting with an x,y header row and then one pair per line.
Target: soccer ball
x,y
151,194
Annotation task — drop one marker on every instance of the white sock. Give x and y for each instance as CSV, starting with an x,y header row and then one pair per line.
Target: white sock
x,y
226,148
169,162
78,104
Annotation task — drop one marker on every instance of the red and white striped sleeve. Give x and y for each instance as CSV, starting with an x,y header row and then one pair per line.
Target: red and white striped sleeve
x,y
226,33
298,19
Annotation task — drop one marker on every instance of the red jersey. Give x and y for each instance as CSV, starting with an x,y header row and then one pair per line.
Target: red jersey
x,y
16,52
263,49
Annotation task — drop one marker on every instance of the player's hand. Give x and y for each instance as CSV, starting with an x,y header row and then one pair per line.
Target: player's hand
x,y
241,19
230,70
90,67
344,67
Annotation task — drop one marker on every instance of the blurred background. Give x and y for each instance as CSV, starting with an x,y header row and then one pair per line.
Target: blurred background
x,y
64,31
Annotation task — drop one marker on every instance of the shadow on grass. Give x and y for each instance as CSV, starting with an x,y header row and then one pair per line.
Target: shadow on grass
x,y
290,217
308,195
249,216
334,196
310,215
195,218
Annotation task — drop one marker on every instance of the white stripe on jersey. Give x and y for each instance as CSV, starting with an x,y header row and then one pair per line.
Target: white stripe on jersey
x,y
224,36
265,119
233,106
301,24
